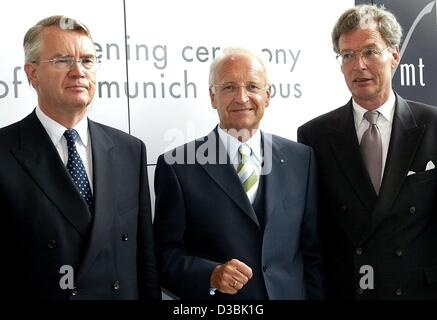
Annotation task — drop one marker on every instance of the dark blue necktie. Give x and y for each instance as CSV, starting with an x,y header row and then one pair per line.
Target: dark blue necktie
x,y
76,168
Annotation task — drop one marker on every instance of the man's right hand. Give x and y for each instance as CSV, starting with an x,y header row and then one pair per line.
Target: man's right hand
x,y
230,277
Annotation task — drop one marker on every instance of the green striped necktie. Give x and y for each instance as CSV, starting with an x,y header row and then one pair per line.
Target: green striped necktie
x,y
247,173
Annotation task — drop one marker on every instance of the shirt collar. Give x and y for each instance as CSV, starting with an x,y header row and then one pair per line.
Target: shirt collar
x,y
387,110
232,144
56,130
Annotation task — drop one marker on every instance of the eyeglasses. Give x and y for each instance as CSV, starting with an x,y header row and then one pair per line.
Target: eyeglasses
x,y
66,63
231,88
368,55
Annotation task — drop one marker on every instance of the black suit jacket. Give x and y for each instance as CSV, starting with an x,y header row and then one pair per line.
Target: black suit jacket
x,y
396,232
46,224
203,218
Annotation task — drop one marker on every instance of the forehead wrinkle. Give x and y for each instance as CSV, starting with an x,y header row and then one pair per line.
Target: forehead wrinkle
x,y
359,39
240,68
66,43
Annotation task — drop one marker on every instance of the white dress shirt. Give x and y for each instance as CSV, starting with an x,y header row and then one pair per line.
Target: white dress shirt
x,y
83,143
232,144
384,123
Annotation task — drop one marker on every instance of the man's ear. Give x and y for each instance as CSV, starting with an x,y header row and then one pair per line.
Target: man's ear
x,y
212,97
31,74
396,57
269,94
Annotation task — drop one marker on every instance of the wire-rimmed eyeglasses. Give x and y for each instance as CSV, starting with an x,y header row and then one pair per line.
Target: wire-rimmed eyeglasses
x,y
66,63
368,55
232,88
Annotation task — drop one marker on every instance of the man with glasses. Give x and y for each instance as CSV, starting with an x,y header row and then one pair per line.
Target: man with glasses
x,y
236,214
378,183
74,194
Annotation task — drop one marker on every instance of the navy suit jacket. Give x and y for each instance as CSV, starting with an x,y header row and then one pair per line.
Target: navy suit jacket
x,y
46,224
396,232
203,218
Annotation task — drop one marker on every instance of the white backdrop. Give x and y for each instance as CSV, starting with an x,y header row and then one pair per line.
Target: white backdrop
x,y
170,46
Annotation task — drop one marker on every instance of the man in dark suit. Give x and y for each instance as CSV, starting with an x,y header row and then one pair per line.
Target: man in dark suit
x,y
377,179
236,215
74,196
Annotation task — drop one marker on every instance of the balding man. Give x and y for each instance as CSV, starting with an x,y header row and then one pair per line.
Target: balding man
x,y
236,214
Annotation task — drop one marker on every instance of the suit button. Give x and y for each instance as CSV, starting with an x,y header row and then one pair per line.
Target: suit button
x,y
398,292
52,244
73,292
399,252
359,291
265,268
343,209
116,285
412,210
125,237
359,251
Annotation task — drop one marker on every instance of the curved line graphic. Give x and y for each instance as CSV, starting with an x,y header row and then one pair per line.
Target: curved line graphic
x,y
422,13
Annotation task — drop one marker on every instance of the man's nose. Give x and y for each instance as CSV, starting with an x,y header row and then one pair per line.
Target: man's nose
x,y
359,62
241,94
77,69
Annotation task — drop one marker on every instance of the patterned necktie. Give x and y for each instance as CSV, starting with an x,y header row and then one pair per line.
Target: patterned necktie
x,y
371,148
247,173
76,168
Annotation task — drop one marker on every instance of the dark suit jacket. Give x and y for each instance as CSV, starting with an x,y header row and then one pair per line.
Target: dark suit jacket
x,y
46,223
395,233
203,218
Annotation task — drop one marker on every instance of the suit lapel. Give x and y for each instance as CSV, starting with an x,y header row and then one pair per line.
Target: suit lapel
x,y
105,204
343,140
224,175
40,159
272,158
405,139
227,179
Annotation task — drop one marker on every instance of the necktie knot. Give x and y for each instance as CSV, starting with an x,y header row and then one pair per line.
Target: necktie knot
x,y
371,116
247,173
71,135
245,150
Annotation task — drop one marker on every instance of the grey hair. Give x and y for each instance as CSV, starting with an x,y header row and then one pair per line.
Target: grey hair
x,y
32,40
234,51
360,16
